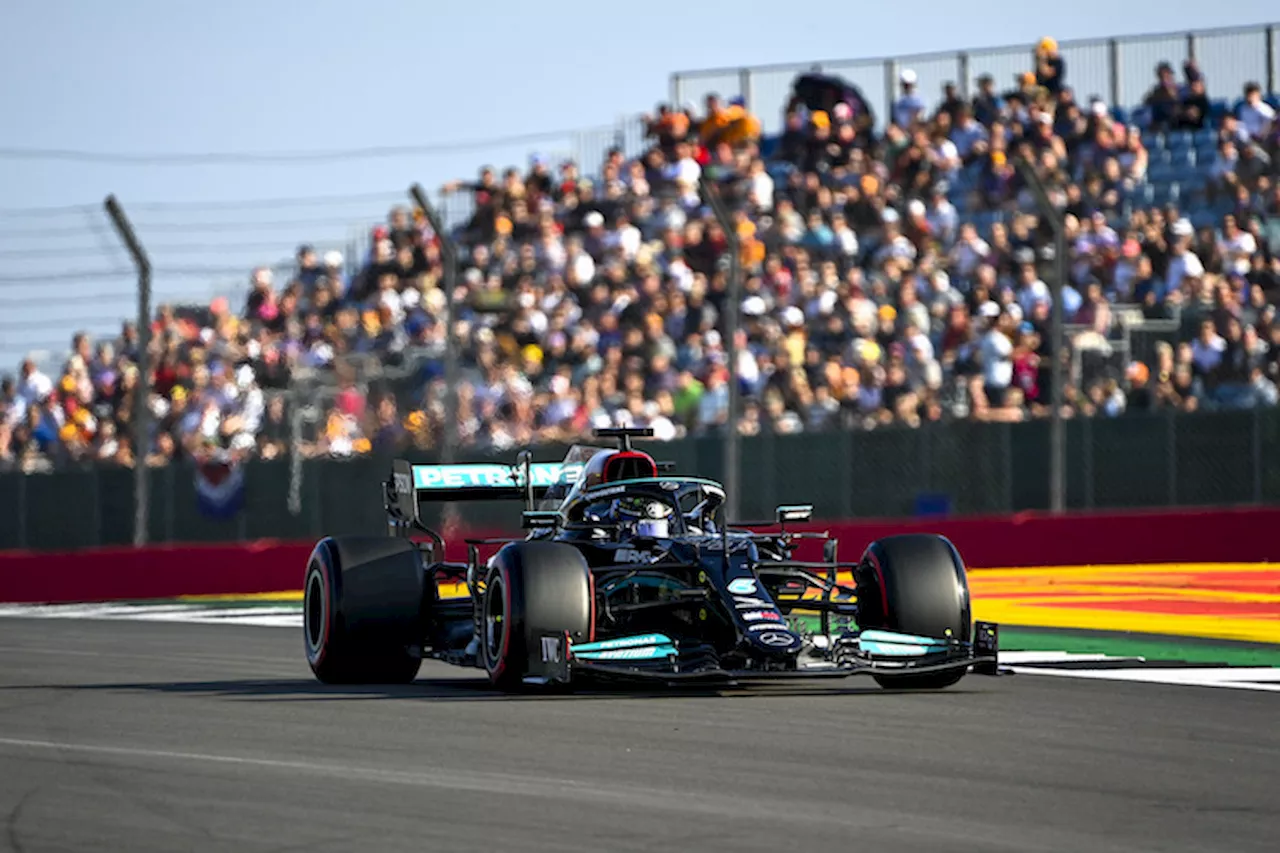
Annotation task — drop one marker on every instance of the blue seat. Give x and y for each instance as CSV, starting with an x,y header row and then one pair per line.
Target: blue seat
x,y
1273,101
769,146
1206,153
1202,218
1162,173
1206,136
1120,114
779,171
1152,141
1162,156
1179,140
1183,157
1218,109
1166,193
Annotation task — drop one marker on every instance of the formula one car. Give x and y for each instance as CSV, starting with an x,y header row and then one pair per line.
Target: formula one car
x,y
627,572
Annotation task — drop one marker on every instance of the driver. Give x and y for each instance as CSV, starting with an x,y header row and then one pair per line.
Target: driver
x,y
643,516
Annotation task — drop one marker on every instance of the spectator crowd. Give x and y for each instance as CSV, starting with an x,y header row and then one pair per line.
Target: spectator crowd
x,y
891,276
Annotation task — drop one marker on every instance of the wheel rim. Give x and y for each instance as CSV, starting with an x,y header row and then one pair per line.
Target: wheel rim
x,y
494,622
316,612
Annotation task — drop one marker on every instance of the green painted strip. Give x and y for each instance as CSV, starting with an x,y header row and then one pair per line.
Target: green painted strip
x,y
1151,647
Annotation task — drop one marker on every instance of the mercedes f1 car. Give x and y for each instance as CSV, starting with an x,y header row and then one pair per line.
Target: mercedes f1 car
x,y
627,571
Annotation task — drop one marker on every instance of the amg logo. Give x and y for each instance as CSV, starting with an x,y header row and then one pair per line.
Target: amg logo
x,y
403,483
631,555
551,650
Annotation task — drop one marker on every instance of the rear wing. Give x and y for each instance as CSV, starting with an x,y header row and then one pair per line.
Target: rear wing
x,y
526,480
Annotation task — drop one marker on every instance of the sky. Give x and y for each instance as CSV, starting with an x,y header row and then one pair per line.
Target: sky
x,y
159,78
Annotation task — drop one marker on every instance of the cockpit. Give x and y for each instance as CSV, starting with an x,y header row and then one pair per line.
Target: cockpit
x,y
621,491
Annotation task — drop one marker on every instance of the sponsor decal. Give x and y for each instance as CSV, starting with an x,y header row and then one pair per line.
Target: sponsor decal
x,y
607,491
776,638
669,486
746,602
403,483
541,474
742,586
632,555
551,650
757,615
763,626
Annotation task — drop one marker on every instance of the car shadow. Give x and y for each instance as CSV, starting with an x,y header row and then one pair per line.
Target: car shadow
x,y
470,690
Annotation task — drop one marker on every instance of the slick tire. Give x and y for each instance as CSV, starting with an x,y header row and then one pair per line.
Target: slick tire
x,y
362,610
532,591
915,584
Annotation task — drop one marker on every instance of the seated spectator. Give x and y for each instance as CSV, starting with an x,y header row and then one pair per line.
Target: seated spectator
x,y
909,107
1193,106
1051,70
1164,99
1256,115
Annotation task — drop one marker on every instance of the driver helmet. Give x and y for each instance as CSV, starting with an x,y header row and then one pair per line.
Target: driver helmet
x,y
651,517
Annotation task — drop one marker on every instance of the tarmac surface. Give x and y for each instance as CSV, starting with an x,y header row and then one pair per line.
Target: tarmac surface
x,y
168,736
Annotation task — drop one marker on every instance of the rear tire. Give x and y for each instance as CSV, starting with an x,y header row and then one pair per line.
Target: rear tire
x,y
362,610
915,584
532,590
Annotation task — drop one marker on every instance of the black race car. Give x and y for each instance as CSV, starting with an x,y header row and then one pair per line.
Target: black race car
x,y
628,572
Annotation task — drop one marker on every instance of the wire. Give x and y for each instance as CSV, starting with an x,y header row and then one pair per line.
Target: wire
x,y
67,275
152,249
233,204
181,227
214,158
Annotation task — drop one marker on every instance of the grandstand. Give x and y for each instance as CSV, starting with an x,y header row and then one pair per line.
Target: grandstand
x,y
895,274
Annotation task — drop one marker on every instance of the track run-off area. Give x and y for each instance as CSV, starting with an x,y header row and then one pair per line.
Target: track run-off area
x,y
195,724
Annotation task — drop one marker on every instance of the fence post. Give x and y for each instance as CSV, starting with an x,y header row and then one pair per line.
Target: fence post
x,y
890,89
1113,57
22,506
733,304
677,91
1257,454
1271,59
1171,455
1057,431
142,391
1191,46
744,85
1087,440
962,60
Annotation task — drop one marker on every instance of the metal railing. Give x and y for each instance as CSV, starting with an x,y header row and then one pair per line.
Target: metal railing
x,y
1119,70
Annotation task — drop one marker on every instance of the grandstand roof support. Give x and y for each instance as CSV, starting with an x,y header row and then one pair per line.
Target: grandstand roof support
x,y
1057,429
732,306
141,415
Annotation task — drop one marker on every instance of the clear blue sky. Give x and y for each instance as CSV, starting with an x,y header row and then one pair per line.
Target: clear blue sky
x,y
158,76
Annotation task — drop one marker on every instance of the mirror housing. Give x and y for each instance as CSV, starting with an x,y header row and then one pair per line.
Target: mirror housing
x,y
532,518
795,512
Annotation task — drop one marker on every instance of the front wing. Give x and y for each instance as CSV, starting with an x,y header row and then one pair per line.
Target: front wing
x,y
656,658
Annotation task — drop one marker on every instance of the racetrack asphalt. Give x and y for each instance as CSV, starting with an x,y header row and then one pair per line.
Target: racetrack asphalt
x,y
160,736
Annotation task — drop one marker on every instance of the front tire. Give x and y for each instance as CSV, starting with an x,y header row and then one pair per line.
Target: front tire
x,y
533,591
915,584
362,610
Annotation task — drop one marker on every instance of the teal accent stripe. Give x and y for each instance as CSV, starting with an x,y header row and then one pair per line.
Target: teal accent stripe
x,y
891,644
623,643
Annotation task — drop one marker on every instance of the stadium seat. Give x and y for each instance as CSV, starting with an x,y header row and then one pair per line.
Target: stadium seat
x,y
1152,141
1218,109
1206,136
